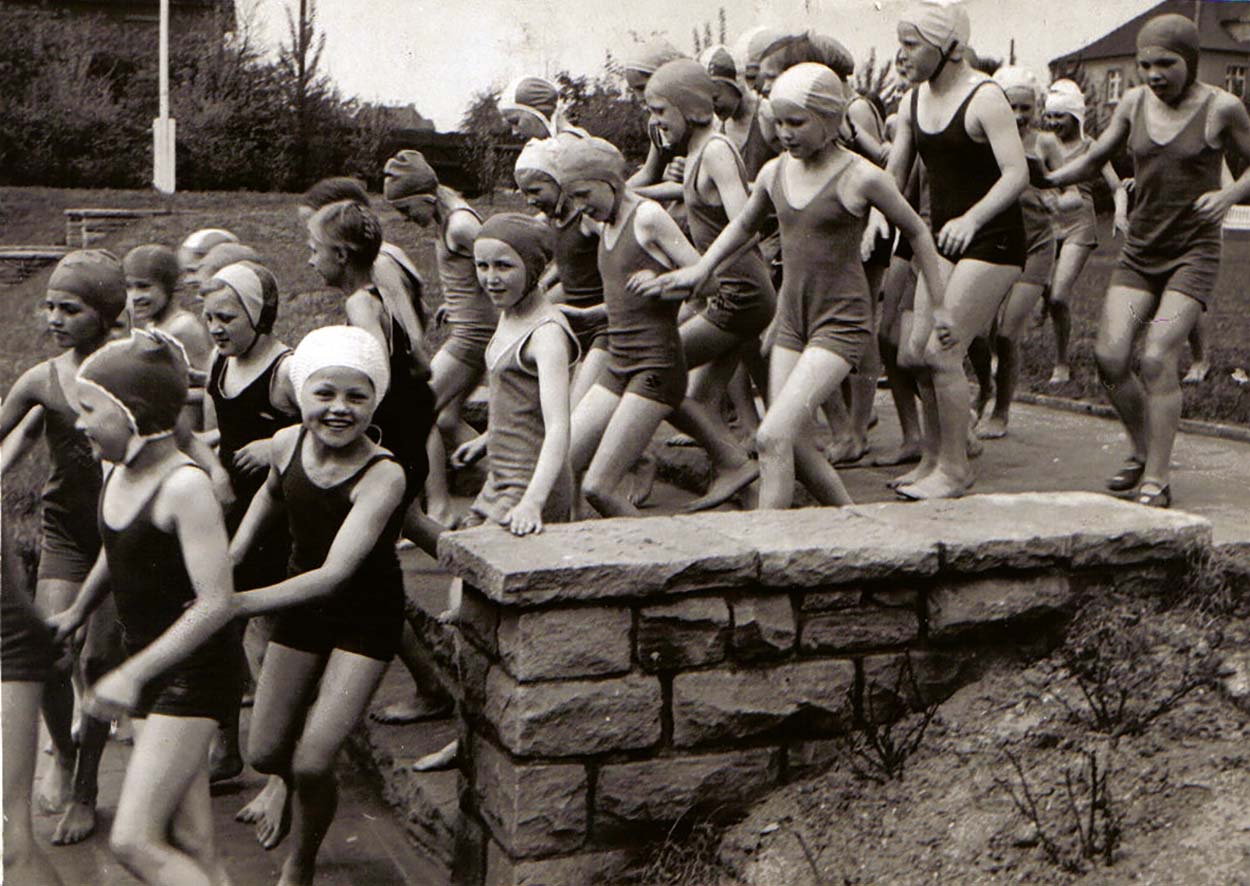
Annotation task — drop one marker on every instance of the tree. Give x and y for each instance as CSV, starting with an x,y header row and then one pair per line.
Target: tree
x,y
300,60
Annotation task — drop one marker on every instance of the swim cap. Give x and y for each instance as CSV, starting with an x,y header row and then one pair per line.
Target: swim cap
x,y
347,346
650,57
749,48
812,87
146,376
538,155
1015,77
531,238
940,23
95,276
1174,33
720,65
226,254
687,86
533,95
153,262
591,159
810,46
407,174
1065,97
332,190
257,290
203,240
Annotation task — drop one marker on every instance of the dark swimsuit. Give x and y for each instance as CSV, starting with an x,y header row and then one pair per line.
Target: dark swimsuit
x,y
961,172
577,259
364,616
148,576
1039,234
71,536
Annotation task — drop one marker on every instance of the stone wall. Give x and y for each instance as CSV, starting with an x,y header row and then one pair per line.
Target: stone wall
x,y
619,675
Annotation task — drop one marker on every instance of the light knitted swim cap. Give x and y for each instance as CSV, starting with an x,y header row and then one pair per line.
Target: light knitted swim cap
x,y
145,375
346,346
1015,77
154,262
1065,97
592,159
529,237
1174,33
812,87
203,240
720,65
538,155
687,86
96,277
257,290
533,95
650,56
940,23
749,47
407,174
226,254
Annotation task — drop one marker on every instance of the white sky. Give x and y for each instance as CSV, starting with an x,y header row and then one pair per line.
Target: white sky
x,y
437,53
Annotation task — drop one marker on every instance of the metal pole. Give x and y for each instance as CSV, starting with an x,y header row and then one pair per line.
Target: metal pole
x,y
163,138
164,60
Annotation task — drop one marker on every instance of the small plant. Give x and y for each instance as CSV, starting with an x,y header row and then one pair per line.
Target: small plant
x,y
1076,820
878,748
687,857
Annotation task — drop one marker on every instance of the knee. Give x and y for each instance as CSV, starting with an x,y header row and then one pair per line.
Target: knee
x,y
1157,367
268,757
128,843
1113,365
311,766
95,664
771,441
596,492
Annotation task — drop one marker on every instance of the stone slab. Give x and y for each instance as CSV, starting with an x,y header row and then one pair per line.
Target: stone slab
x,y
686,633
959,608
764,626
531,809
859,628
583,869
729,705
574,717
561,644
598,560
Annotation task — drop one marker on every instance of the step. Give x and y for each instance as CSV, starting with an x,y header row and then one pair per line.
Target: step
x,y
20,262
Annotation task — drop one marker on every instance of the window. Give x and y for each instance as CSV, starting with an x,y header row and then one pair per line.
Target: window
x,y
1115,85
1235,80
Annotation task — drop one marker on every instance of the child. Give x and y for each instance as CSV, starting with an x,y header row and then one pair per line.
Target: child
x,y
967,137
166,563
86,294
680,96
527,440
659,177
1177,130
413,188
822,194
217,258
738,109
1076,227
646,378
341,611
193,250
531,106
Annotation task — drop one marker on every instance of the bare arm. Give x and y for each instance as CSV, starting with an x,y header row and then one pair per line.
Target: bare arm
x,y
89,597
1089,164
720,165
267,503
365,312
1234,131
27,392
462,228
651,171
662,191
548,348
879,191
22,439
860,113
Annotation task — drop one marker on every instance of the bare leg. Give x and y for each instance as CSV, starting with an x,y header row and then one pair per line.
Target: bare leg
x,y
917,326
1068,266
428,702
1176,316
24,860
981,356
896,328
589,420
624,439
588,370
192,830
1201,365
1124,312
1019,305
54,595
452,381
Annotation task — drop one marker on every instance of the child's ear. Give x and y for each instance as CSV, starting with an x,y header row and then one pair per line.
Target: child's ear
x,y
340,254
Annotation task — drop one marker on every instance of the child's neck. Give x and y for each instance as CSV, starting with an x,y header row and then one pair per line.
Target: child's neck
x,y
949,78
326,454
824,158
355,279
699,136
256,353
527,307
628,201
81,352
152,454
746,107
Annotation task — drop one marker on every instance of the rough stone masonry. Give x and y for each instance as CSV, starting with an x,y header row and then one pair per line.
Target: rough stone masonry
x,y
619,675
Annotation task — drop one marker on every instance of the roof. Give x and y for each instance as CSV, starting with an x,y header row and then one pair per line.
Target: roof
x,y
1213,29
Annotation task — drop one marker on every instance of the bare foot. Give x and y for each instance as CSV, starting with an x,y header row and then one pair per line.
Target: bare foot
x,y
76,825
55,793
846,451
975,446
275,820
296,874
223,763
993,428
903,455
412,711
643,477
252,812
439,760
443,514
1197,373
915,475
937,485
680,440
725,486
1060,375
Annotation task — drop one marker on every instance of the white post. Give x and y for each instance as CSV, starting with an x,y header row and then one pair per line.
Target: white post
x,y
163,144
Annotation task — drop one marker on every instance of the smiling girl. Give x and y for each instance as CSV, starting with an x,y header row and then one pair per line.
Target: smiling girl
x,y
1177,130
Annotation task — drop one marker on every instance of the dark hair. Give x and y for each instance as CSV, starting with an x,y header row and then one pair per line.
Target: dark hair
x,y
335,190
795,49
352,226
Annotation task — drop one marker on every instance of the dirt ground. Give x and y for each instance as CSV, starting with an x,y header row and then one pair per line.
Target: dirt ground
x,y
1176,791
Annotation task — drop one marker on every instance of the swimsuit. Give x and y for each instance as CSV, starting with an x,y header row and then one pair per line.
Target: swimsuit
x,y
643,341
148,576
364,616
1078,226
744,300
1039,235
824,300
70,535
516,431
961,172
471,317
26,648
1169,247
577,259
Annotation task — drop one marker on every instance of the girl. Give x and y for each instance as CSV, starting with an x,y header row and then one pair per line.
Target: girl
x,y
967,137
821,193
86,294
341,610
193,249
680,96
413,189
646,378
165,560
749,48
1043,154
527,439
532,107
1177,130
1076,227
738,110
659,177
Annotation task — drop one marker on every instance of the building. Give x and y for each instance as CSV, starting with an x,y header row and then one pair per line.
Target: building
x,y
1110,62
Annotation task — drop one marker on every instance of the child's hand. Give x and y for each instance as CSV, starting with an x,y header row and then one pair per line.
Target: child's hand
x,y
117,692
63,625
768,339
1213,205
253,457
877,227
683,280
223,491
637,284
1120,226
955,236
469,453
675,171
944,328
524,518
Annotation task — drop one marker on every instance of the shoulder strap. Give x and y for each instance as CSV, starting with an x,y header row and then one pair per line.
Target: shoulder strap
x,y
295,453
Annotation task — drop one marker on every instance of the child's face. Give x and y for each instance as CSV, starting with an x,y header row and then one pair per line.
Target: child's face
x,y
104,424
418,209
1163,71
541,193
595,198
500,271
637,83
189,260
1024,105
1063,125
917,59
725,100
72,322
228,323
525,125
337,405
668,121
324,257
801,132
769,70
147,299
